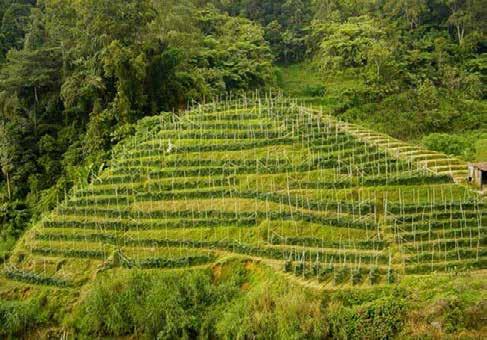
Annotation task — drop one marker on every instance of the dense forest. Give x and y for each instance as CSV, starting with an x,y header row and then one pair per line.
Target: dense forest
x,y
76,75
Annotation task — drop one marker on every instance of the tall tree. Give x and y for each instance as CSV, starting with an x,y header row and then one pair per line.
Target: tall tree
x,y
410,10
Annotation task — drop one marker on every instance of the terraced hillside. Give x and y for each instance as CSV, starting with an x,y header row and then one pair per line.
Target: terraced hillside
x,y
273,181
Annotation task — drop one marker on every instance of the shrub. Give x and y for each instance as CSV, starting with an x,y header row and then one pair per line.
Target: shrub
x,y
380,319
446,143
18,317
274,311
315,90
161,305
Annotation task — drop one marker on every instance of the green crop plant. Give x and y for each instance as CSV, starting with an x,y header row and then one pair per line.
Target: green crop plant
x,y
374,275
264,182
356,276
340,275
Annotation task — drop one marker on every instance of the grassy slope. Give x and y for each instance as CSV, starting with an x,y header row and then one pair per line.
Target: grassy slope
x,y
242,295
244,298
300,80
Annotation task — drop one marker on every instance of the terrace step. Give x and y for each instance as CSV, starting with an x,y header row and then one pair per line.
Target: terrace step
x,y
446,243
447,266
426,216
384,141
14,274
441,207
223,134
184,219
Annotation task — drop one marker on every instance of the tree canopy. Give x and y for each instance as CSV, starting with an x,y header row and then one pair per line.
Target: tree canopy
x,y
75,74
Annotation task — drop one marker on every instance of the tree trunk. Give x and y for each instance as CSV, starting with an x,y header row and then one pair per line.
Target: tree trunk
x,y
9,193
460,34
35,110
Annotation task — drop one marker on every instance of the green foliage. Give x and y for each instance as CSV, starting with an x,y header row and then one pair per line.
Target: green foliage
x,y
33,278
17,318
351,45
14,218
229,65
421,61
75,76
14,23
197,304
452,145
467,145
164,305
284,23
315,91
381,319
273,310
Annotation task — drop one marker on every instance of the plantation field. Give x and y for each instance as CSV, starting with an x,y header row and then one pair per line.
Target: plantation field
x,y
325,203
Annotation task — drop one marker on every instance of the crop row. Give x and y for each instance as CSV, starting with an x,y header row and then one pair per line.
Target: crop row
x,y
439,215
138,188
208,134
157,225
266,252
221,217
344,144
402,179
337,256
205,182
453,266
274,240
323,243
361,157
15,274
93,237
446,244
443,206
128,174
155,162
228,116
428,235
169,263
152,196
216,125
338,275
147,150
453,254
291,200
77,253
439,224
306,203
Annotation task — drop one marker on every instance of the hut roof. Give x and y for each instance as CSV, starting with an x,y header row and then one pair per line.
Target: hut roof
x,y
482,166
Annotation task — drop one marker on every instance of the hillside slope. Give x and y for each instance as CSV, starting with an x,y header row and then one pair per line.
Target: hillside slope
x,y
274,181
330,205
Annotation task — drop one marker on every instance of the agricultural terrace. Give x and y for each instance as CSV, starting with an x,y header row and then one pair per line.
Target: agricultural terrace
x,y
266,179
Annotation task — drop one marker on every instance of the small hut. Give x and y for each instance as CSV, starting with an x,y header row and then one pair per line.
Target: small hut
x,y
477,175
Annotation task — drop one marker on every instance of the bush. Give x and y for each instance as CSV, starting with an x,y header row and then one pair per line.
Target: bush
x,y
274,311
18,317
454,314
14,218
315,90
380,319
446,143
167,305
